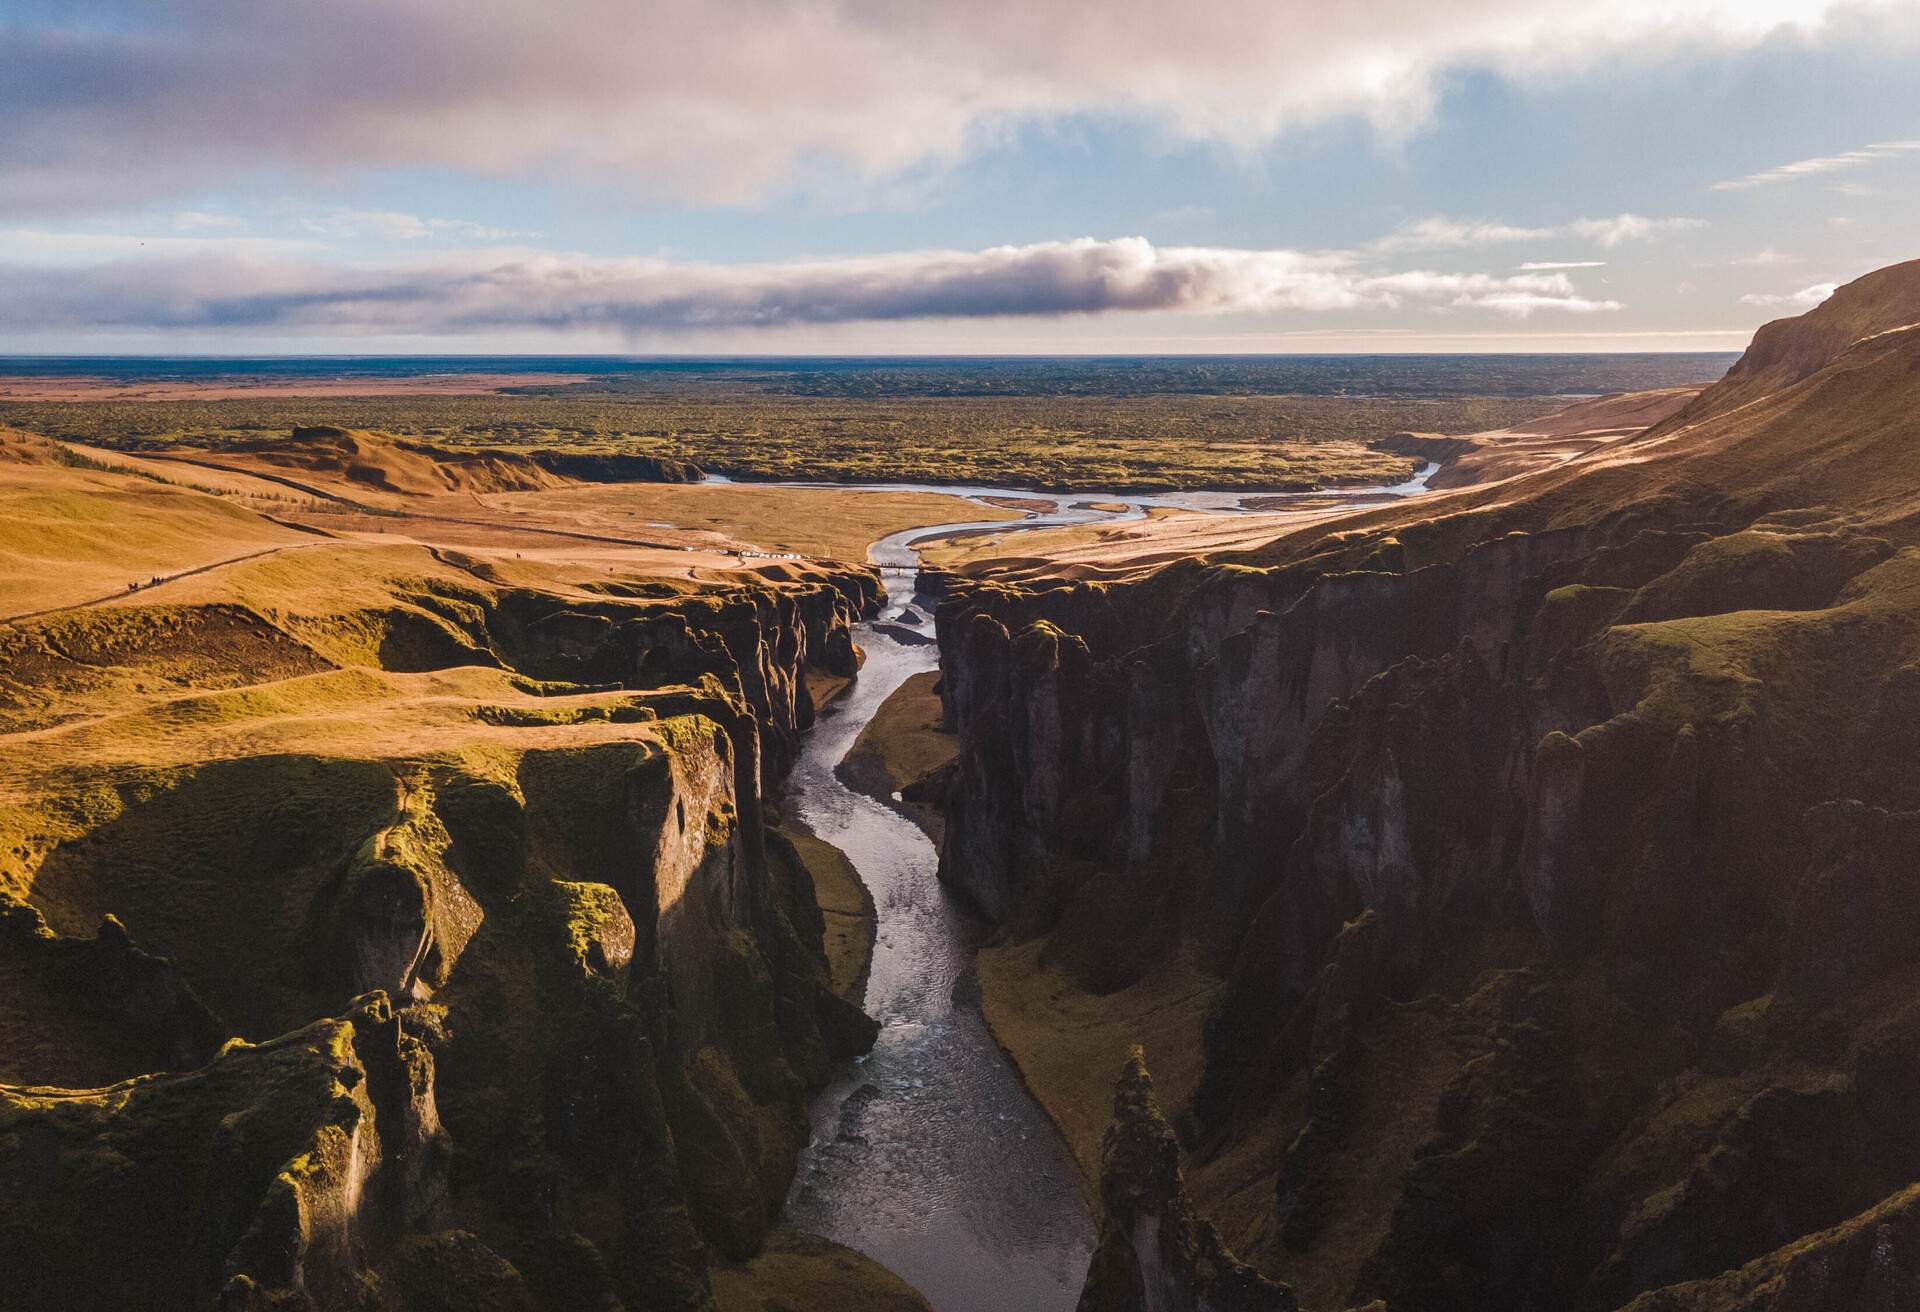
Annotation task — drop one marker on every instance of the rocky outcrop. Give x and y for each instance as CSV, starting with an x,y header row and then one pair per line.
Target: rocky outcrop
x,y
1154,1254
273,1176
136,1008
608,1007
1595,775
754,643
1870,1263
615,466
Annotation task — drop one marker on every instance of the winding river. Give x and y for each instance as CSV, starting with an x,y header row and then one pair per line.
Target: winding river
x,y
928,1154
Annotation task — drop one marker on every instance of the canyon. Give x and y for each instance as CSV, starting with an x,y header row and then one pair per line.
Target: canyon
x,y
393,924
417,887
1546,846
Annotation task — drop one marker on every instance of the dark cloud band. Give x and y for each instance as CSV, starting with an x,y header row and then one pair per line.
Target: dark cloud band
x,y
484,293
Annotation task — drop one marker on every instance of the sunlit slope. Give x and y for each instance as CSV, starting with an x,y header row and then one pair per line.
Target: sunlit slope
x,y
559,505
325,863
1841,440
69,533
1543,442
1787,350
1821,412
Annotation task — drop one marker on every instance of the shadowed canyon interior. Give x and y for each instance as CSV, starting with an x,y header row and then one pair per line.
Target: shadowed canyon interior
x,y
438,879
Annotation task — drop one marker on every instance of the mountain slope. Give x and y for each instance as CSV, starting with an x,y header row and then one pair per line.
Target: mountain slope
x,y
1552,840
1787,350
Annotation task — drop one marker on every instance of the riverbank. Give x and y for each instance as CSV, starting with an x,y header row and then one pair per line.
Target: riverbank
x,y
801,1272
903,744
846,907
928,1156
1064,1042
961,1152
1068,1044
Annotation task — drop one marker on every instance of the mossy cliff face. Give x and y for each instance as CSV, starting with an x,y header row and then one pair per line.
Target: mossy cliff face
x,y
1153,1252
754,642
1550,842
577,1011
272,1176
1865,1264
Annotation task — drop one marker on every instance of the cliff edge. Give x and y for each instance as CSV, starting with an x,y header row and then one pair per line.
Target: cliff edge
x,y
1548,839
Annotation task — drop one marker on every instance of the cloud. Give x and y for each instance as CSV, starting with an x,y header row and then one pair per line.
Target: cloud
x,y
1534,265
1623,228
201,221
389,225
484,291
1804,299
109,102
1517,296
1439,233
1820,164
1522,304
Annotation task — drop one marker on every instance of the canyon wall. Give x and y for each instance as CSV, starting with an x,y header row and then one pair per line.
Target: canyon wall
x,y
492,998
1553,841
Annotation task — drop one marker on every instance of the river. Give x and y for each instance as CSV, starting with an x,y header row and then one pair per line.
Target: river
x,y
928,1154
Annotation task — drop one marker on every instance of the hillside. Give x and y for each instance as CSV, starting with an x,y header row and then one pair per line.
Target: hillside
x,y
1788,350
388,922
77,533
1547,840
1542,442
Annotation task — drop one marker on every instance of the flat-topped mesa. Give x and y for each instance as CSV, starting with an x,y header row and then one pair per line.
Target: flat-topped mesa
x,y
1606,772
383,463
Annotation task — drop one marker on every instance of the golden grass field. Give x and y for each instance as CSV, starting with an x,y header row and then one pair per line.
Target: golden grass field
x,y
1069,1045
82,532
270,622
299,667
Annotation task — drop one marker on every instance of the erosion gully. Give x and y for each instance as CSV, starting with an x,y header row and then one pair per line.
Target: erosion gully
x,y
928,1154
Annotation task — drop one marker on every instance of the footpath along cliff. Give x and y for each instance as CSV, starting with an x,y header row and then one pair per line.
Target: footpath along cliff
x,y
378,934
1552,844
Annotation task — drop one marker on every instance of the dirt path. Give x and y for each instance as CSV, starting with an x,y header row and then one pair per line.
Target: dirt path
x,y
154,582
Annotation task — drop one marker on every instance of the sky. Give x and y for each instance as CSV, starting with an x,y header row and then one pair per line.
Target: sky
x,y
893,176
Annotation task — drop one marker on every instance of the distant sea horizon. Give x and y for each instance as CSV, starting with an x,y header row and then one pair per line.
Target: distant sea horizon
x,y
1404,374
36,359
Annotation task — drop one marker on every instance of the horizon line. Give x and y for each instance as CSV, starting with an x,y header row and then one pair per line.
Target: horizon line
x,y
695,358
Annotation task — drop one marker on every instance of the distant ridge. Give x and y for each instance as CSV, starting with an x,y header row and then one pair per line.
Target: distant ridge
x,y
1787,350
